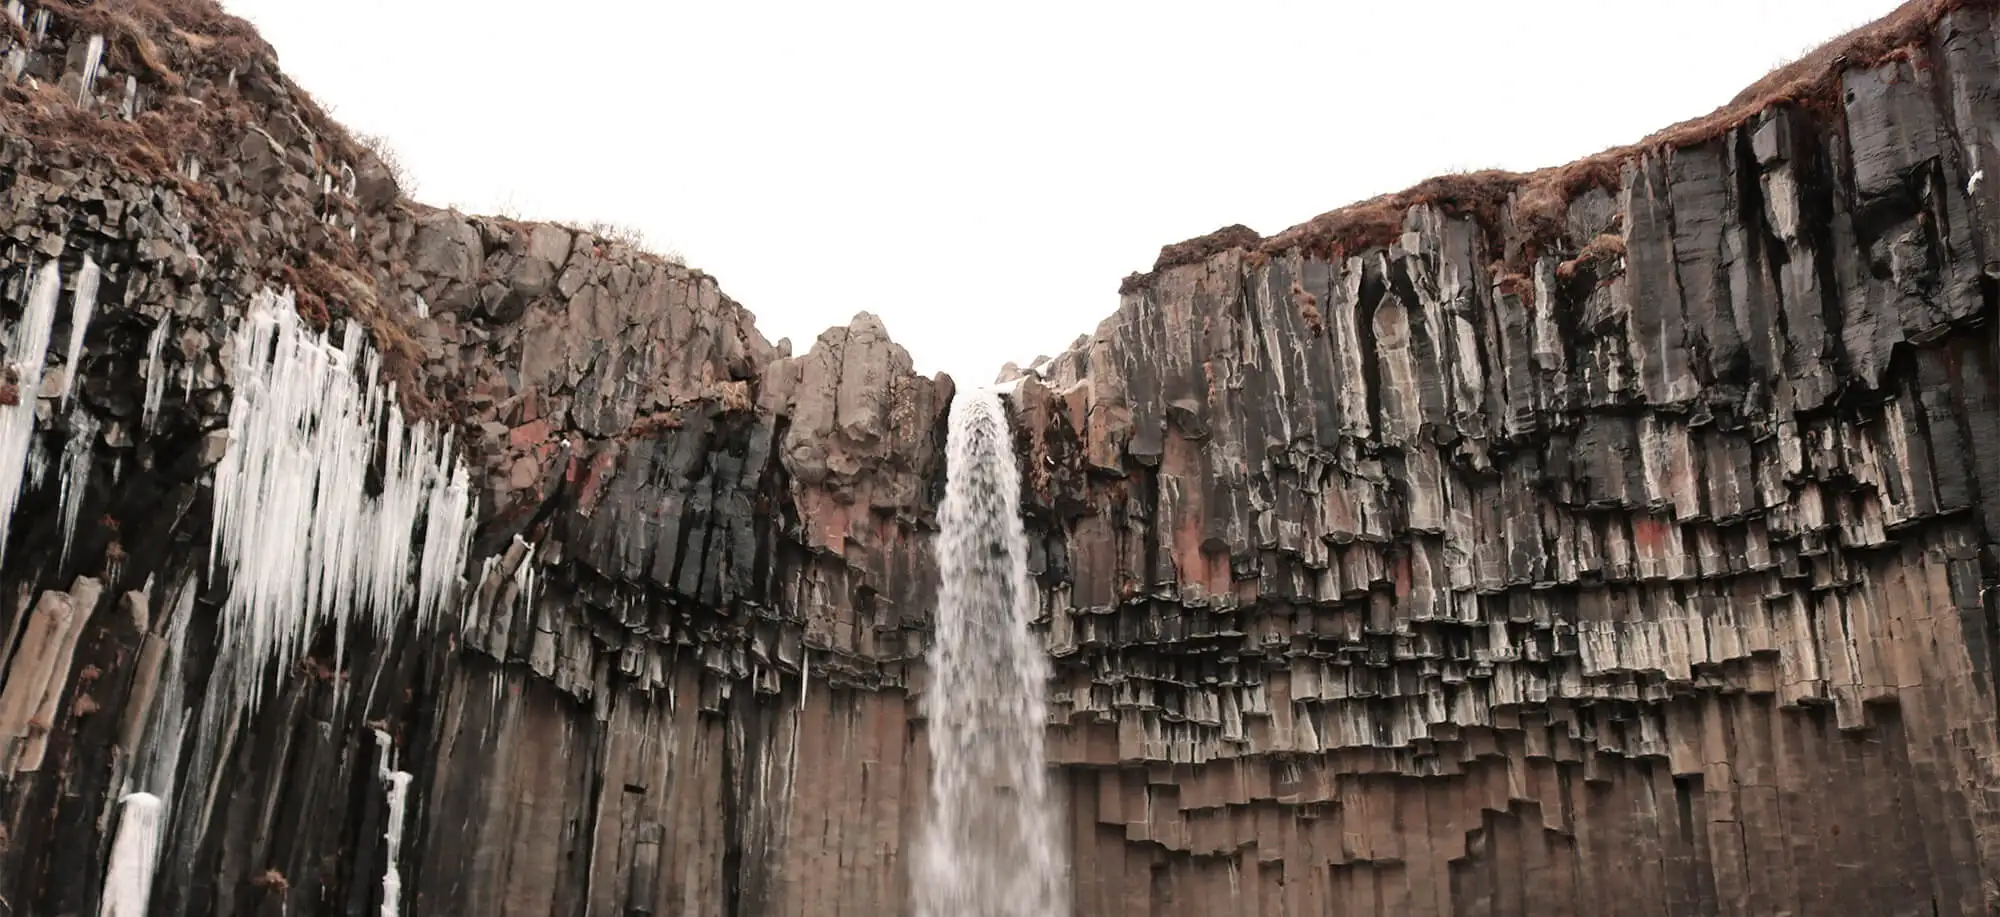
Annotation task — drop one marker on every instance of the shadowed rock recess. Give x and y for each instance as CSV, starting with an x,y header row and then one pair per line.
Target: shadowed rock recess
x,y
1614,540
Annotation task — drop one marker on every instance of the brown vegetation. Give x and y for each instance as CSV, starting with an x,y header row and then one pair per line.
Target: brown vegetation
x,y
162,40
1511,284
193,50
379,147
1308,306
1201,248
271,880
1535,203
1605,247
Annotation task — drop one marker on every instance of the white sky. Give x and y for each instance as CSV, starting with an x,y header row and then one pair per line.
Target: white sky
x,y
981,176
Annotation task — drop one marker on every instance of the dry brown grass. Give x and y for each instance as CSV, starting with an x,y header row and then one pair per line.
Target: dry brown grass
x,y
1535,203
14,31
1603,248
343,293
174,43
271,880
1201,248
1512,284
1308,306
168,39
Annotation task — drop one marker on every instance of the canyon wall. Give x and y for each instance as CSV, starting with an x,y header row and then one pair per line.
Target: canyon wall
x,y
1612,540
1608,540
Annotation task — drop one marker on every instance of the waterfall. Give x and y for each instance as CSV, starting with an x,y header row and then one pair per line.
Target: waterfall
x,y
990,847
128,881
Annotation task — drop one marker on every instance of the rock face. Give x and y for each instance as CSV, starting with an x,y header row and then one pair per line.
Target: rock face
x,y
1640,568
1617,539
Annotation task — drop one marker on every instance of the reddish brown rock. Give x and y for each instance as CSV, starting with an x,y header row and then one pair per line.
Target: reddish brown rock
x,y
1611,539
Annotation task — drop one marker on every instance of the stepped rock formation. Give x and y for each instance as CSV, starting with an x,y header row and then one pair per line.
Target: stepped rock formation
x,y
1613,540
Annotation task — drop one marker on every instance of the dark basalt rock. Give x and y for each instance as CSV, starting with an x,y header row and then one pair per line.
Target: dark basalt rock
x,y
1616,539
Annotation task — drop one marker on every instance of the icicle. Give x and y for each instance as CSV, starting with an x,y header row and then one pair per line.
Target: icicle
x,y
27,345
38,463
93,56
392,879
447,539
423,307
295,530
169,716
17,57
81,307
397,785
524,580
805,674
156,375
128,881
76,472
130,107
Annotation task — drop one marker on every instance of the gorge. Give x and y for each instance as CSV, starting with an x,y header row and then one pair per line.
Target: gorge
x,y
1616,539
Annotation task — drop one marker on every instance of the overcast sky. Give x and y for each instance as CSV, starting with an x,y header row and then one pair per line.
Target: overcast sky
x,y
981,175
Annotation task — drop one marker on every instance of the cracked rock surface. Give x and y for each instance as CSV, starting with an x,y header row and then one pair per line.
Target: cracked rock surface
x,y
1615,540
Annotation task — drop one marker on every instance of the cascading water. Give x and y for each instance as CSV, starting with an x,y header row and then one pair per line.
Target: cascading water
x,y
990,847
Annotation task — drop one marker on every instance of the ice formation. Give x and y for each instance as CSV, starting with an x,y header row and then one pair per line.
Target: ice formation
x,y
167,723
156,374
27,344
83,304
128,881
76,472
397,785
93,58
299,537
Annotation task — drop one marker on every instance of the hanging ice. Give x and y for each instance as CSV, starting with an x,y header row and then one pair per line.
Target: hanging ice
x,y
38,461
93,57
27,347
156,374
128,881
157,767
76,472
296,533
83,304
397,785
447,540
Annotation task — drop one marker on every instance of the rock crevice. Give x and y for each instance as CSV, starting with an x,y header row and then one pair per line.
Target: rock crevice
x,y
1611,539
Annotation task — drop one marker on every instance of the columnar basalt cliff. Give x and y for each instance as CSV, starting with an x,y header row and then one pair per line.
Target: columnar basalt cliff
x,y
1616,539
1453,554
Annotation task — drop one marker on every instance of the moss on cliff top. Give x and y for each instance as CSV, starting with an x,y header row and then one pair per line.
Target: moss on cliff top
x,y
1536,202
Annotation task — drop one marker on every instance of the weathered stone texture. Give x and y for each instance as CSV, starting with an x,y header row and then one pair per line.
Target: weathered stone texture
x,y
679,522
1653,578
1638,565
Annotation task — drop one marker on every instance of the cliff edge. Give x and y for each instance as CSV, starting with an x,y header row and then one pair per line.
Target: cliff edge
x,y
1615,538
1610,539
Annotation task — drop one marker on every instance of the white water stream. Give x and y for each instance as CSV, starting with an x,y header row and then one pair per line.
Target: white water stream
x,y
990,847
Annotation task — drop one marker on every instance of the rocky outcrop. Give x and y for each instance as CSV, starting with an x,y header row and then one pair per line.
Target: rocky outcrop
x,y
1608,539
677,524
1638,566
